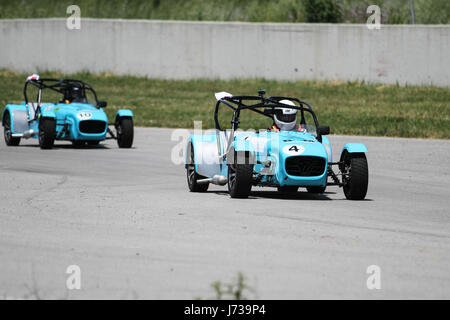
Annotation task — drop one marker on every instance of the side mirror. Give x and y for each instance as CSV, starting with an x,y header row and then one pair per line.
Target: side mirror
x,y
102,104
323,130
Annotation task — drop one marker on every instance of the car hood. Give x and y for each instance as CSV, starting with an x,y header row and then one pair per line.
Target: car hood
x,y
281,144
79,111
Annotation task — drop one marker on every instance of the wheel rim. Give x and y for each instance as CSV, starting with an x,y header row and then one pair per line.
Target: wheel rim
x,y
7,128
191,167
347,173
119,132
231,177
41,135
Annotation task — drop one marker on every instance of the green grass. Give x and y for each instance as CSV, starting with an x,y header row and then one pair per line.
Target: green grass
x,y
350,108
350,11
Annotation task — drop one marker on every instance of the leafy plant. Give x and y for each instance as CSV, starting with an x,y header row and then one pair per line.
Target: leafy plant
x,y
322,11
234,290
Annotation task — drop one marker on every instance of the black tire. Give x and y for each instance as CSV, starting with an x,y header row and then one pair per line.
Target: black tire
x,y
356,176
316,189
9,140
125,132
47,133
192,175
93,143
288,189
240,178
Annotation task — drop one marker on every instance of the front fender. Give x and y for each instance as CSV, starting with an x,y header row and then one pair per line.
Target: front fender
x,y
243,150
242,145
354,148
124,113
327,145
48,114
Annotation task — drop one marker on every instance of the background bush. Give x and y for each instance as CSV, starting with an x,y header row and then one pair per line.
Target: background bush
x,y
348,11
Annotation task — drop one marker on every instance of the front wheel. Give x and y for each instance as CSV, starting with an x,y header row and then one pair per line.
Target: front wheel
x,y
47,133
240,180
355,176
125,132
9,139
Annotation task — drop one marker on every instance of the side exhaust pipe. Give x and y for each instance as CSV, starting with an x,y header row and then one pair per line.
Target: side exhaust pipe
x,y
29,133
26,135
216,179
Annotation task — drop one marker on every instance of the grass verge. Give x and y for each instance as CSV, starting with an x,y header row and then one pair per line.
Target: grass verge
x,y
350,108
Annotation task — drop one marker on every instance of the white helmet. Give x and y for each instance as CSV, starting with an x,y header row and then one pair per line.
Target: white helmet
x,y
288,119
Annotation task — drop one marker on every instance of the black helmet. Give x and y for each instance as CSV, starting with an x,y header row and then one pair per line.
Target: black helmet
x,y
74,93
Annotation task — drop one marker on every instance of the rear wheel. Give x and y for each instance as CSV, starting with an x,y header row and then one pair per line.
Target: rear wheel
x,y
9,140
47,133
288,189
240,179
316,189
355,176
125,132
192,175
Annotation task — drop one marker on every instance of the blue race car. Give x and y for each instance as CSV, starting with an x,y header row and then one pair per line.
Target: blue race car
x,y
292,153
78,116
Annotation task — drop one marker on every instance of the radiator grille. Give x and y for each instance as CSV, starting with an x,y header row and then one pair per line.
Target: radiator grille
x,y
305,166
92,126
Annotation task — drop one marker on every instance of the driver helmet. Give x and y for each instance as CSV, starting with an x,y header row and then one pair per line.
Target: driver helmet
x,y
74,93
288,119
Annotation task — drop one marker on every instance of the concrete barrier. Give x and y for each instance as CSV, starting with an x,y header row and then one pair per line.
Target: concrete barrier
x,y
404,54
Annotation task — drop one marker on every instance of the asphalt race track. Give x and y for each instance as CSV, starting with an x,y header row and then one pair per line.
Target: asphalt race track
x,y
126,218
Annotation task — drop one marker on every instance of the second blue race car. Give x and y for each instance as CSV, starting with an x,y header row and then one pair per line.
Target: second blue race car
x,y
74,117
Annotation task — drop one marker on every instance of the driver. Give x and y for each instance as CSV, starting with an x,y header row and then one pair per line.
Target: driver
x,y
73,93
287,119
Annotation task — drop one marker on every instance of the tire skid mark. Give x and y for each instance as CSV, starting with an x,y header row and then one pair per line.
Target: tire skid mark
x,y
381,229
30,199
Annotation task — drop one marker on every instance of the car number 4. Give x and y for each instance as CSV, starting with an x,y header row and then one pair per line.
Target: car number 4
x,y
294,149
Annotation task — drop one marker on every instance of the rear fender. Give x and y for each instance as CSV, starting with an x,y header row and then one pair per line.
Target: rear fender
x,y
19,117
206,154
